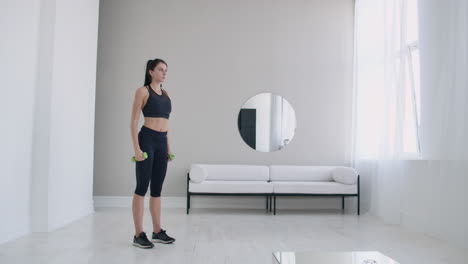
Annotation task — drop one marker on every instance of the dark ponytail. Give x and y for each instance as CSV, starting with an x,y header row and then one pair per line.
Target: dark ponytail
x,y
150,65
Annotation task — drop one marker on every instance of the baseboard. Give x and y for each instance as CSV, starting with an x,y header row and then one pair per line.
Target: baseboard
x,y
13,235
229,202
68,219
126,201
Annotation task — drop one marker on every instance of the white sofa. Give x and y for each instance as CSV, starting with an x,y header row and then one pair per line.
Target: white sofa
x,y
272,181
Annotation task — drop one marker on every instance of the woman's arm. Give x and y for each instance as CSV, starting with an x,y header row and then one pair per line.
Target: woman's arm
x,y
168,144
170,155
137,105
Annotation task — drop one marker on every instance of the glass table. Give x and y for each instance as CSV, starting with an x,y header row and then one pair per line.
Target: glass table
x,y
320,257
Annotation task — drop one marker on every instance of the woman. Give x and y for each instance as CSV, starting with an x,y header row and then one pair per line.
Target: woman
x,y
153,139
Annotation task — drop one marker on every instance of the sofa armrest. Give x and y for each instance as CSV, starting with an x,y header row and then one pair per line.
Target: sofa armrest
x,y
345,175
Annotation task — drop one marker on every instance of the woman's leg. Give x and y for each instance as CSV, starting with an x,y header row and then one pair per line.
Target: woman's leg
x,y
143,170
155,209
138,208
143,175
159,173
157,180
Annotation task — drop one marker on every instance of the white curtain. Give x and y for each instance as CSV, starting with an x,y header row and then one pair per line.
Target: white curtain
x,y
393,122
399,113
385,118
444,71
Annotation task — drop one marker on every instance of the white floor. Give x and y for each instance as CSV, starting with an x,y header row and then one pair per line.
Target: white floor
x,y
225,236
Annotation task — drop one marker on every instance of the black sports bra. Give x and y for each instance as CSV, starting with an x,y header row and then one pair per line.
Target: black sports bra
x,y
157,105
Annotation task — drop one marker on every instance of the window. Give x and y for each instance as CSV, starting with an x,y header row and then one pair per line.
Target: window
x,y
386,80
411,142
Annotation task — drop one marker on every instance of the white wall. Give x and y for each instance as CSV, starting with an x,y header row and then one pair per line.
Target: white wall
x,y
19,30
72,111
47,114
220,53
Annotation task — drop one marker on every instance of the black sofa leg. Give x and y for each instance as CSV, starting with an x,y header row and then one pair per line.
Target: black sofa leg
x,y
188,203
358,205
358,195
270,198
342,202
267,199
274,205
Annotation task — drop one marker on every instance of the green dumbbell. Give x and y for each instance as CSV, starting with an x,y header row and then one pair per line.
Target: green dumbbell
x,y
171,156
145,155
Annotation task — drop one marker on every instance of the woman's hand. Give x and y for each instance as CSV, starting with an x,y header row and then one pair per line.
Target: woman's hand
x,y
170,156
139,155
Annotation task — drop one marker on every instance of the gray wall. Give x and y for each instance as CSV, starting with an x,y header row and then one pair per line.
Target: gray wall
x,y
220,53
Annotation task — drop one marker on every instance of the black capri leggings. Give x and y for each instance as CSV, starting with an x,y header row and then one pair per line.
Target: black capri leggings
x,y
153,169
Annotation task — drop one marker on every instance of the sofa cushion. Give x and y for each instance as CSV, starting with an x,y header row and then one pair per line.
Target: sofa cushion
x,y
301,173
208,186
345,175
233,172
314,187
197,173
